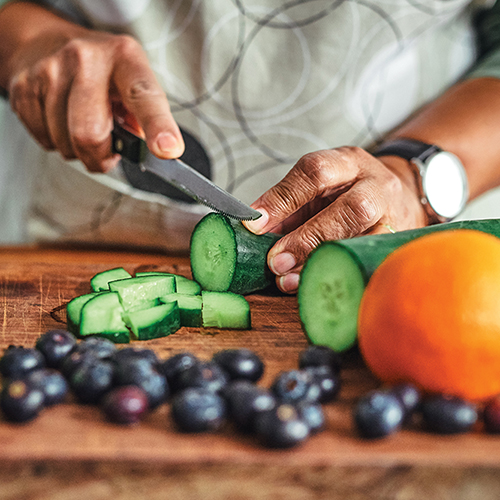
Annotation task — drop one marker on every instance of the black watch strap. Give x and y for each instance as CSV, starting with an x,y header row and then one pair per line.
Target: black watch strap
x,y
407,149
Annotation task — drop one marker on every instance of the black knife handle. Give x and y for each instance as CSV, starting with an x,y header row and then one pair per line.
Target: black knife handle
x,y
128,144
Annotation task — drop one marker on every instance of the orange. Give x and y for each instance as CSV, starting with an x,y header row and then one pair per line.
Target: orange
x,y
431,315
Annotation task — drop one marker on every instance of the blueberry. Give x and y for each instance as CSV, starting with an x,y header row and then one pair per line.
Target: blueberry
x,y
98,346
125,405
18,361
75,360
326,380
378,414
410,397
51,382
140,373
240,364
320,355
295,385
245,401
312,414
445,414
21,401
136,353
491,415
204,375
90,381
173,366
198,410
281,427
55,345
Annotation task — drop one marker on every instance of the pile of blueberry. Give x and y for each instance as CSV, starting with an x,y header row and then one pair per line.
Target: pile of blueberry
x,y
130,382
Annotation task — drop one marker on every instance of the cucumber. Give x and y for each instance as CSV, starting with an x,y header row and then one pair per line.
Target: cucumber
x,y
225,310
74,310
335,275
225,256
100,282
183,285
155,322
142,292
189,307
102,316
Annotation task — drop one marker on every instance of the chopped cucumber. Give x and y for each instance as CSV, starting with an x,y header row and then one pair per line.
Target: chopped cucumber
x,y
183,284
335,274
189,307
102,315
143,291
158,321
225,310
100,282
74,311
225,256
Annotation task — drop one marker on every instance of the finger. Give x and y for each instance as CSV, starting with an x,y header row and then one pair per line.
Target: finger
x,y
90,120
25,95
316,175
145,99
351,214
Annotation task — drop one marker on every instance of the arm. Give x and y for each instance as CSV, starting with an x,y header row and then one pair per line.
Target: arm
x,y
345,192
61,78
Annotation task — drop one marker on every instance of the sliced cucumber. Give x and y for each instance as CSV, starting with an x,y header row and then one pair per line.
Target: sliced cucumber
x,y
335,274
143,291
102,315
225,310
225,256
189,307
74,310
158,321
100,282
183,284
329,297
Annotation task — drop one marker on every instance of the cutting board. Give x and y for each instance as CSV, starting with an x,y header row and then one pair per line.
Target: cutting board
x,y
73,444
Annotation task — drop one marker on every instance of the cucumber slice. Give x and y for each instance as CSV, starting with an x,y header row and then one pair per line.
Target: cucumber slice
x,y
183,285
158,321
225,310
189,307
329,297
74,310
139,292
102,316
225,256
335,274
100,282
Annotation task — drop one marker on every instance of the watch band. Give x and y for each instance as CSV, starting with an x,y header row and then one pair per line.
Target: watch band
x,y
407,149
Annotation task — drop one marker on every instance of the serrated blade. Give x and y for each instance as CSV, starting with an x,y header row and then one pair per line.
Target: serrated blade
x,y
138,163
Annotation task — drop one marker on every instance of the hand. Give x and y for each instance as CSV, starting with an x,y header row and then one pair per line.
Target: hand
x,y
62,84
330,195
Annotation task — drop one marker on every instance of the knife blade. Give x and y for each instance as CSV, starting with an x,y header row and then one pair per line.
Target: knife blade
x,y
138,161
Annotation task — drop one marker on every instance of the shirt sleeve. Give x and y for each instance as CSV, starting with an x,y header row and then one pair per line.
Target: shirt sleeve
x,y
487,26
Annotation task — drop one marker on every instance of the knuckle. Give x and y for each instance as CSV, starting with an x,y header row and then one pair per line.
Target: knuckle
x,y
88,136
126,45
359,214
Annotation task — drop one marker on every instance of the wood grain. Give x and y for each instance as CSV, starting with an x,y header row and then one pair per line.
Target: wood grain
x,y
70,450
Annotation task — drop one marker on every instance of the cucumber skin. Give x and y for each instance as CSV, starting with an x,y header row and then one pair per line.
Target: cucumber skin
x,y
369,251
251,272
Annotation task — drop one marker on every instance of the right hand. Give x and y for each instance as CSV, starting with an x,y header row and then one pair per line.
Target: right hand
x,y
62,86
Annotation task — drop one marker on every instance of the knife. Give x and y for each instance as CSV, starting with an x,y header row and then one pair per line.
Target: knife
x,y
145,170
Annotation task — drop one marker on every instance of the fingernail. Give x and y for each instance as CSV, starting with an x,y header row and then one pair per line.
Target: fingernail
x,y
282,263
169,145
289,283
257,225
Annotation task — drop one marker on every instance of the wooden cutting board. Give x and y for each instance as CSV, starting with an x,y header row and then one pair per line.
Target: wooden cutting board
x,y
72,446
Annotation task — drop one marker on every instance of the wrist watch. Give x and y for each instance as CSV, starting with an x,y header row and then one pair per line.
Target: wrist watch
x,y
440,175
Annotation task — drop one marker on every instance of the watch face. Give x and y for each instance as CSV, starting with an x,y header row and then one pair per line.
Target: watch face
x,y
445,184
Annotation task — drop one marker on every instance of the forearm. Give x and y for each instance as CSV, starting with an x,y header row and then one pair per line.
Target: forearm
x,y
464,121
25,26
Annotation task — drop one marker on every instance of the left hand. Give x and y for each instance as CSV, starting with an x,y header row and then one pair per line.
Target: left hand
x,y
330,195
